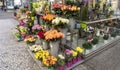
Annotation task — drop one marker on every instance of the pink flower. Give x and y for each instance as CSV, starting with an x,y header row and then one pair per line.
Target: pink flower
x,y
36,27
68,52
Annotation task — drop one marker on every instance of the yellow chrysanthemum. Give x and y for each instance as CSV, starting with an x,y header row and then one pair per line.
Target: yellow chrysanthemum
x,y
74,53
79,49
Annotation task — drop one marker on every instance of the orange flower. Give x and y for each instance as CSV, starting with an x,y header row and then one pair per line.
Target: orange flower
x,y
28,12
53,34
48,17
49,61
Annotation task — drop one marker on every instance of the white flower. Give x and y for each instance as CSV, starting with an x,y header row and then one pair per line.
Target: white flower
x,y
61,56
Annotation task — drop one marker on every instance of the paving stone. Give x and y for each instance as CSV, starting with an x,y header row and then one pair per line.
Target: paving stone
x,y
13,54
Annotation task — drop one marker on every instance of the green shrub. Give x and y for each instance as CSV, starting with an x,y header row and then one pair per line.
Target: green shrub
x,y
87,45
106,37
95,41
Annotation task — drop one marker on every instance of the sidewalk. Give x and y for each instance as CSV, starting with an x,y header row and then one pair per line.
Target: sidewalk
x,y
6,15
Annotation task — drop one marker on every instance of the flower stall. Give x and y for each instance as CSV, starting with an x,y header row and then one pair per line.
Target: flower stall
x,y
66,34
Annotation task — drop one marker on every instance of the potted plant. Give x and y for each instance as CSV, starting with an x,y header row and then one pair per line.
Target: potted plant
x,y
87,46
80,52
30,40
74,55
61,24
95,42
114,34
106,37
61,62
50,62
35,48
53,36
36,28
68,57
45,44
41,54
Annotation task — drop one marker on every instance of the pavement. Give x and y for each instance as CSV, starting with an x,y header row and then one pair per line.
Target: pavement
x,y
14,55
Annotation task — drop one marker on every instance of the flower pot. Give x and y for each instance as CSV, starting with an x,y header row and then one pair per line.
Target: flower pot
x,y
69,64
45,45
54,48
112,38
61,68
105,41
74,61
51,68
64,31
72,23
79,58
87,51
94,47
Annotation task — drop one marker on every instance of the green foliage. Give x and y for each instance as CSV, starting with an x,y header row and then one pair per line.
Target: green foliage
x,y
106,37
61,62
114,34
87,45
83,25
95,41
84,13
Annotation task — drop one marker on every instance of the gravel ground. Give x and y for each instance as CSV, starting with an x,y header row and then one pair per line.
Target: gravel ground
x,y
13,54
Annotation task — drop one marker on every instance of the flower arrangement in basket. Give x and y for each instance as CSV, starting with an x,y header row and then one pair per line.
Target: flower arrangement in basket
x,y
36,28
50,62
53,35
60,22
30,39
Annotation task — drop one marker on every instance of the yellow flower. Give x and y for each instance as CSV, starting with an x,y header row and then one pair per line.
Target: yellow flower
x,y
79,49
78,8
37,55
74,53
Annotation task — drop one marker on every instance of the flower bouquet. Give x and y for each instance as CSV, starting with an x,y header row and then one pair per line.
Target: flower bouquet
x,y
57,9
47,20
30,40
42,39
61,62
70,11
41,54
60,22
54,36
36,28
23,31
50,62
35,48
48,17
